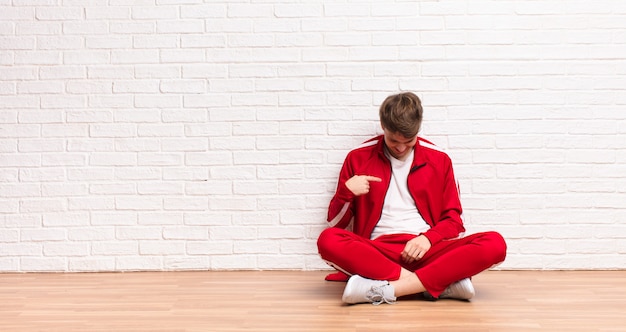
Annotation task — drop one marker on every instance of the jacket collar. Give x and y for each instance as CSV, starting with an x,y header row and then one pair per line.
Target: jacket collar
x,y
418,151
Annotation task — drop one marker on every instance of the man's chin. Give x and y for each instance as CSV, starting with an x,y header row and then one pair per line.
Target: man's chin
x,y
399,156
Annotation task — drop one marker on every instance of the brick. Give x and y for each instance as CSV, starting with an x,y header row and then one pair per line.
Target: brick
x,y
47,264
204,11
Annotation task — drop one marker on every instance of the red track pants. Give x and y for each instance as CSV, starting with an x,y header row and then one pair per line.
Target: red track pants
x,y
446,262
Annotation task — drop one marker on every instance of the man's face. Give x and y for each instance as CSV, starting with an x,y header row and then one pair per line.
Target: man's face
x,y
398,145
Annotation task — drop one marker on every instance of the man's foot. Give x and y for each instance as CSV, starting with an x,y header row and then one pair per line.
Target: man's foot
x,y
460,290
362,290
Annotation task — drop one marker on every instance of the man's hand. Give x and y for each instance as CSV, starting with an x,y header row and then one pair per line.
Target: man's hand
x,y
360,184
415,249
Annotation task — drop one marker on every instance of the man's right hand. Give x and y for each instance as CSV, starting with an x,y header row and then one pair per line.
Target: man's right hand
x,y
360,184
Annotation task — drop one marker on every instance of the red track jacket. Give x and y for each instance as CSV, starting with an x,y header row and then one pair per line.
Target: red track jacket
x,y
431,182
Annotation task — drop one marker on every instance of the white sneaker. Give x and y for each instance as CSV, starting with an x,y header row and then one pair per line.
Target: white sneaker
x,y
363,290
460,290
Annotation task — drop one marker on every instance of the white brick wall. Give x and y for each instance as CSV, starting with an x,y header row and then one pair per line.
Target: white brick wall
x,y
190,134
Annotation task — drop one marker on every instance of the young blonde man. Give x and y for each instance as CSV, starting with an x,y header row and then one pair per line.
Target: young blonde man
x,y
400,194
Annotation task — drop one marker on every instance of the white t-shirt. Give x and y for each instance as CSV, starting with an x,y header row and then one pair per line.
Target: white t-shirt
x,y
400,215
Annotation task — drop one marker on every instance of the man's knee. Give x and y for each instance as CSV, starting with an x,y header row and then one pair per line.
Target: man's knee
x,y
496,247
325,240
329,240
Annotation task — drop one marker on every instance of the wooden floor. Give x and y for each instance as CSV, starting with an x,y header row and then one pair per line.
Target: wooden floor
x,y
303,301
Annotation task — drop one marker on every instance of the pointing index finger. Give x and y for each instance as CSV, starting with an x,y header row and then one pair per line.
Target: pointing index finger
x,y
373,178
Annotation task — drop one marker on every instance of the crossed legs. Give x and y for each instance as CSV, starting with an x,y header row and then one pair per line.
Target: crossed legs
x,y
380,259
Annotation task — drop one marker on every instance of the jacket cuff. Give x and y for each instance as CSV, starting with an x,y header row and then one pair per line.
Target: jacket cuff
x,y
344,194
433,237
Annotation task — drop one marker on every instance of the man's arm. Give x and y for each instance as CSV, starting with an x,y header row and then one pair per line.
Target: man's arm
x,y
349,186
449,224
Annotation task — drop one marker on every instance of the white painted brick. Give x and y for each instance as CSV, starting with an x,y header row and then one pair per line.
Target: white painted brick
x,y
202,100
61,219
250,10
186,204
43,234
9,236
298,40
256,247
184,56
90,174
138,233
107,13
68,249
202,41
138,263
232,233
159,130
150,101
209,248
208,218
112,188
63,190
129,123
208,158
270,203
231,25
255,158
299,10
232,143
258,99
37,28
158,159
187,263
280,172
80,264
17,43
297,247
138,203
7,89
234,262
136,56
89,145
47,264
8,146
85,28
42,175
90,203
250,40
180,26
59,43
280,261
160,218
109,248
255,187
132,27
161,248
20,220
113,159
37,57
52,13
183,86
187,233
203,11
232,204
143,116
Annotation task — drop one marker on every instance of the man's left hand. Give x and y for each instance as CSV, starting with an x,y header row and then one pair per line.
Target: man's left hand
x,y
415,249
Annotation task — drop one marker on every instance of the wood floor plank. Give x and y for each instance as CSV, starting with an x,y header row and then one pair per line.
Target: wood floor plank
x,y
303,301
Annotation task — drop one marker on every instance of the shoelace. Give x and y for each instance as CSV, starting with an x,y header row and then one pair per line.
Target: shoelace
x,y
377,296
